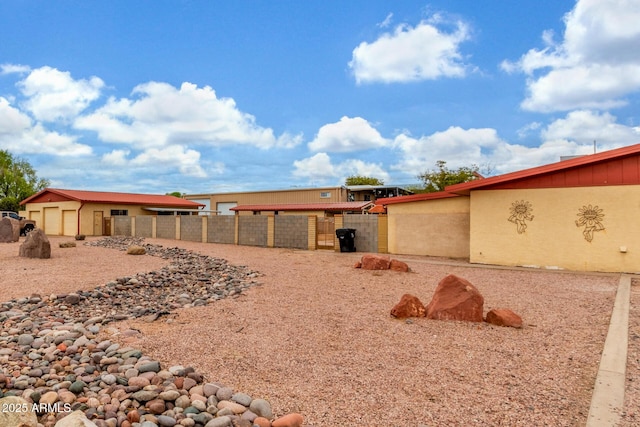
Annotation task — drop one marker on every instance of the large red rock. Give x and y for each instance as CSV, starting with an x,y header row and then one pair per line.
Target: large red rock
x,y
456,299
375,262
409,306
396,265
504,317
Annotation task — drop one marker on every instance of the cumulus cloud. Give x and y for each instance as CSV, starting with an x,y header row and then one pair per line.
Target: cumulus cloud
x,y
187,161
424,52
347,135
457,146
53,95
19,134
583,127
595,65
159,115
320,167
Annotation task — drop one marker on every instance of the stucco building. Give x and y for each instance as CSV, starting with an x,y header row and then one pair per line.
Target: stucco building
x,y
71,212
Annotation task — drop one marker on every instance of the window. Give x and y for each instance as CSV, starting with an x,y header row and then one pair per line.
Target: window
x,y
325,194
119,212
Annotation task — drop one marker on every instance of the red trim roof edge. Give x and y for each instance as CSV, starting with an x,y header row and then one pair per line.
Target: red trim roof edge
x,y
465,187
415,198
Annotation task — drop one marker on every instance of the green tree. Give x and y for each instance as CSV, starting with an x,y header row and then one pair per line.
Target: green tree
x,y
441,177
363,180
18,180
175,194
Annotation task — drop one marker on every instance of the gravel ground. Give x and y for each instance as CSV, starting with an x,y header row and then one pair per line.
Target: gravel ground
x,y
316,337
631,414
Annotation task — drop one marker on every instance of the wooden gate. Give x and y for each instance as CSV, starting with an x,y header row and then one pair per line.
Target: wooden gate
x,y
325,233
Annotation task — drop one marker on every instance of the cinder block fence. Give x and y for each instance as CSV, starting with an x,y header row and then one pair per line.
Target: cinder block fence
x,y
272,231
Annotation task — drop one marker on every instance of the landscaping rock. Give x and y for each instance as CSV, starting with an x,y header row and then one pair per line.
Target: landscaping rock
x,y
396,265
456,299
36,245
375,262
9,230
409,306
504,317
16,411
136,250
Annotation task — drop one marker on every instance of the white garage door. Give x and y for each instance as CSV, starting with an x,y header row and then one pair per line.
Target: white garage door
x,y
69,223
223,208
52,221
207,206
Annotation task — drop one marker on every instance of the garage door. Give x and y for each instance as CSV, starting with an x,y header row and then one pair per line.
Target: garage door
x,y
223,208
69,223
52,221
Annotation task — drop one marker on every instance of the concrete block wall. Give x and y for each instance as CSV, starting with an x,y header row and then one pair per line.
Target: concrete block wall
x,y
144,226
252,230
191,228
166,227
291,231
121,225
221,229
366,231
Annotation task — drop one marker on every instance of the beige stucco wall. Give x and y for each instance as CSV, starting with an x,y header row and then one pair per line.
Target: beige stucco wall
x,y
430,227
551,238
36,211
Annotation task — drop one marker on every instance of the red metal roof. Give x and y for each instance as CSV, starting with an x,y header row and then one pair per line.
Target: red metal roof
x,y
330,207
614,167
415,198
57,195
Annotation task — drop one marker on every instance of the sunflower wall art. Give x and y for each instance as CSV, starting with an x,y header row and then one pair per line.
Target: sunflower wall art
x,y
521,212
590,217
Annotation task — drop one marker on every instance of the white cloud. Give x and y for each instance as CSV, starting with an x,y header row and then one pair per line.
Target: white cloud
x,y
116,157
456,146
20,135
347,135
596,64
54,95
162,115
187,161
423,52
14,69
320,168
583,127
387,21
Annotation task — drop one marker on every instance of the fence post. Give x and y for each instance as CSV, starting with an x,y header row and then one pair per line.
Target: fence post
x,y
383,234
205,228
271,219
312,232
133,226
338,222
236,236
154,226
177,217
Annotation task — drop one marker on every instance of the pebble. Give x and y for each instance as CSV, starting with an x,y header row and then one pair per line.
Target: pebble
x,y
50,351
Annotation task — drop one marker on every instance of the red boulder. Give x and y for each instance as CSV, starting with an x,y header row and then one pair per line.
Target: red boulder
x,y
456,299
409,306
396,265
504,317
375,262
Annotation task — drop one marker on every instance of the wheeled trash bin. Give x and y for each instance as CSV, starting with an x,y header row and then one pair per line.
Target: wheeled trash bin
x,y
347,239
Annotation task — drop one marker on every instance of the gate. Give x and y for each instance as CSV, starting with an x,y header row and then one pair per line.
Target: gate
x,y
325,233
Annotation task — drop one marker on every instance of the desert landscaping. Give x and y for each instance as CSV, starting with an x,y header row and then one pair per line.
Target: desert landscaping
x,y
312,335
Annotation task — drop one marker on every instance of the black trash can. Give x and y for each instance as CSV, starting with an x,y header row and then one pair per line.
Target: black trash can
x,y
347,239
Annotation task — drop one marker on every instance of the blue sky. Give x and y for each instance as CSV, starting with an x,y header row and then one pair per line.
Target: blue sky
x,y
204,96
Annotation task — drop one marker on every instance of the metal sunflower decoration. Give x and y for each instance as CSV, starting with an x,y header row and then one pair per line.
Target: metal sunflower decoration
x,y
590,217
520,211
